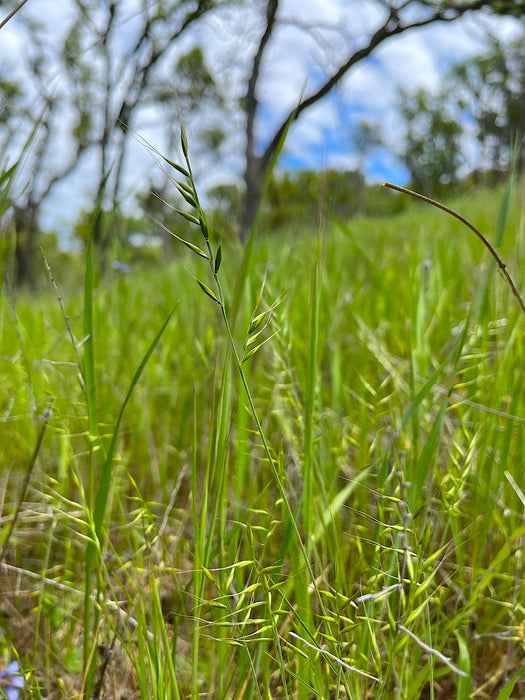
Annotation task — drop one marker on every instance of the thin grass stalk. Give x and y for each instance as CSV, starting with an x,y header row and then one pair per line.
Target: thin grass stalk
x,y
44,418
88,367
213,481
199,526
309,408
43,591
222,455
305,665
167,663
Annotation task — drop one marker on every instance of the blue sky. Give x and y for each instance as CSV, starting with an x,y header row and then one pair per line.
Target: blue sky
x,y
297,61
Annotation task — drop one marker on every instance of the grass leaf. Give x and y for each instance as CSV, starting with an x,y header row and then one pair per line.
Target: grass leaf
x,y
176,166
105,478
218,260
208,291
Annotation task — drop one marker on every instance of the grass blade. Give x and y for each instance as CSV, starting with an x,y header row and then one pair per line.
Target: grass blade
x,y
105,477
422,468
506,693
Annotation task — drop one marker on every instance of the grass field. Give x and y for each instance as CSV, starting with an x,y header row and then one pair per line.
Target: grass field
x,y
352,527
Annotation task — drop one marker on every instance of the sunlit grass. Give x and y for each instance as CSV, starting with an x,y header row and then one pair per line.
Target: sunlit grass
x,y
392,401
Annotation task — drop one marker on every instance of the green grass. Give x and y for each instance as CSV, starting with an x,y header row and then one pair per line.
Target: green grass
x,y
351,528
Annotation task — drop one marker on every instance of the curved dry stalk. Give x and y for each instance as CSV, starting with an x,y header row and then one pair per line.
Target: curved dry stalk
x,y
506,274
12,13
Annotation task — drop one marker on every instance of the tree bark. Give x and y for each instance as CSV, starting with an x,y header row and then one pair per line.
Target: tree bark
x,y
25,221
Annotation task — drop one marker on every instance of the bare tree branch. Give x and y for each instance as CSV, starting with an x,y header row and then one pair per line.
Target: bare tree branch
x,y
12,13
393,26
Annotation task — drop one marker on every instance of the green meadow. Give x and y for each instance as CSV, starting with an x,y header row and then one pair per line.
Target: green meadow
x,y
293,470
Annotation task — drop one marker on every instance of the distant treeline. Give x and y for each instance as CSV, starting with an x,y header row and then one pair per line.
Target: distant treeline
x,y
302,199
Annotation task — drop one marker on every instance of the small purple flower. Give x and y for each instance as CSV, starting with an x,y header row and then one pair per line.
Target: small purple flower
x,y
120,266
11,681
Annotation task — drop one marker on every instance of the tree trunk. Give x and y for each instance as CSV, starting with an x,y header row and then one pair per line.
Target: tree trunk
x,y
254,179
26,251
256,166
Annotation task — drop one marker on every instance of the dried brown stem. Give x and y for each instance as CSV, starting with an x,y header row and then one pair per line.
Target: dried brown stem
x,y
506,274
12,13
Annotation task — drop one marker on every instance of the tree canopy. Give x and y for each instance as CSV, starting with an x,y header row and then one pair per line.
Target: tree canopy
x,y
482,102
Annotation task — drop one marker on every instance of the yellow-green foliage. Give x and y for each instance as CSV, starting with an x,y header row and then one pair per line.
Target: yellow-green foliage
x,y
392,399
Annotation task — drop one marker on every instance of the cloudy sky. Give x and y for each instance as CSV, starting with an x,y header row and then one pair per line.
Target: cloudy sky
x,y
311,38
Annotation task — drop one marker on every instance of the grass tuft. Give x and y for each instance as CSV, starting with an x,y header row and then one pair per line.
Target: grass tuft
x,y
311,487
